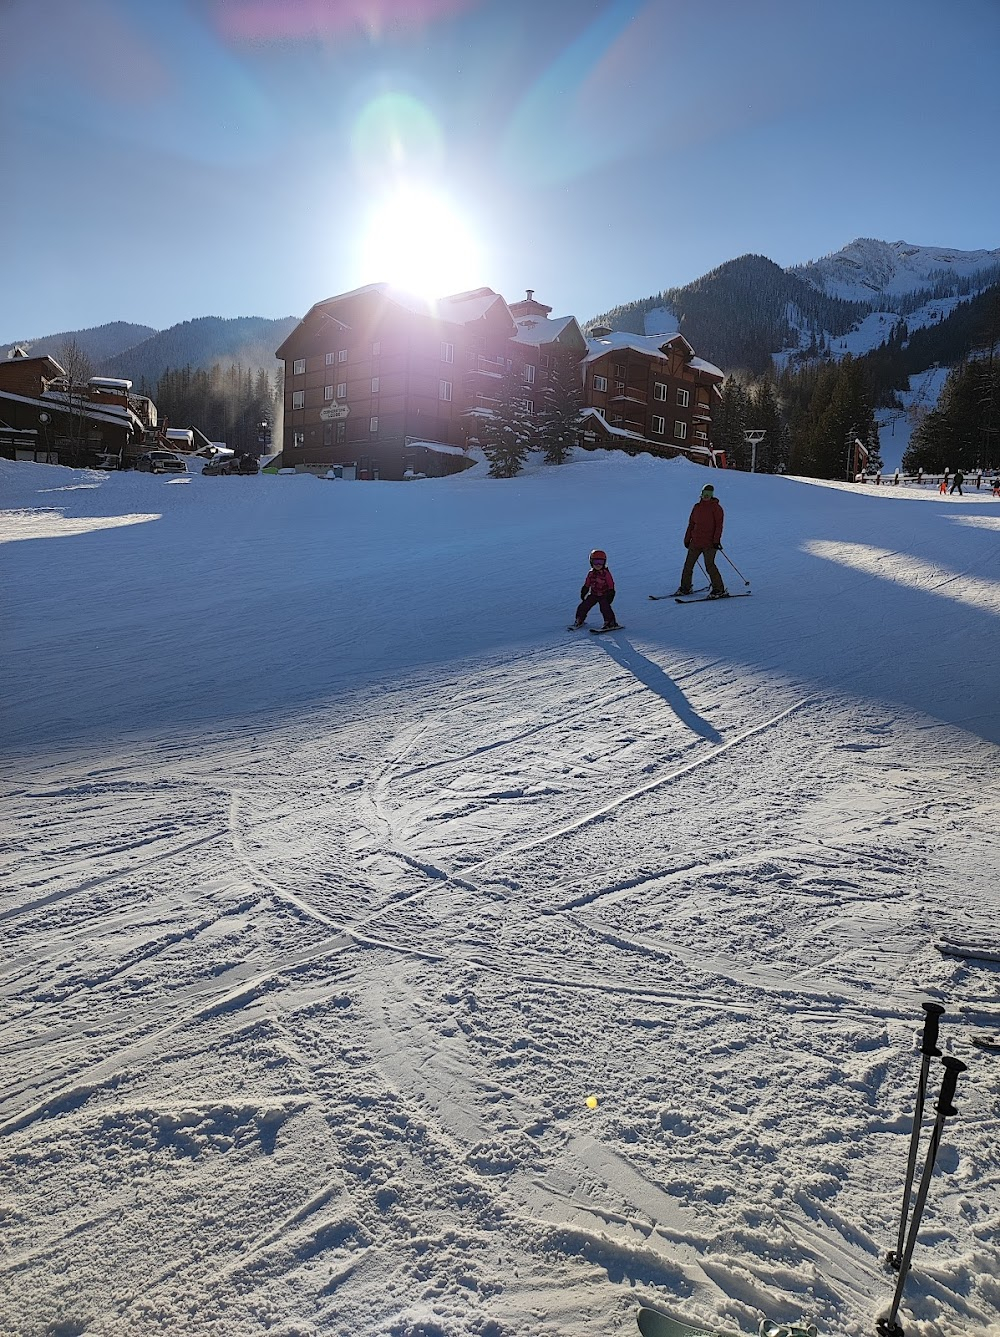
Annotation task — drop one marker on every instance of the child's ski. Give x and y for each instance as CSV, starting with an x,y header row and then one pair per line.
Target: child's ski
x,y
599,631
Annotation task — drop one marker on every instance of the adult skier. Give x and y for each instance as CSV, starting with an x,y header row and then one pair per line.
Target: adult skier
x,y
703,538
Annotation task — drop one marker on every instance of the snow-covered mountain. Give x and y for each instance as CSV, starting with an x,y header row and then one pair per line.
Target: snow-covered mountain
x,y
867,269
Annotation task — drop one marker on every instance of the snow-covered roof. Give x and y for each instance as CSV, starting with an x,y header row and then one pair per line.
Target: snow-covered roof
x,y
699,364
438,447
459,308
463,307
109,413
537,330
612,431
650,344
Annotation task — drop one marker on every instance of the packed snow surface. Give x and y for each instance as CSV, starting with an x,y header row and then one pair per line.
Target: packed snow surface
x,y
382,958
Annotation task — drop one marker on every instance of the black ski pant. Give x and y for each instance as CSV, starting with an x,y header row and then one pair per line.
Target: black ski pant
x,y
603,602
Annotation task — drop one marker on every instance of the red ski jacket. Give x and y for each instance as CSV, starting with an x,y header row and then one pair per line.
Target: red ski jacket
x,y
598,582
705,526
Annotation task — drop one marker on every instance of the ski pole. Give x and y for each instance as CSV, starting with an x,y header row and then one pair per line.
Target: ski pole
x,y
733,565
928,1050
888,1327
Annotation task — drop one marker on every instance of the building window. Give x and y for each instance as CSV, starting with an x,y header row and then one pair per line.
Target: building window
x,y
620,370
683,398
328,434
329,359
529,374
544,361
299,367
659,426
444,390
659,390
447,353
298,399
680,430
341,354
341,390
341,432
374,385
377,348
327,391
616,420
298,440
373,424
600,382
526,404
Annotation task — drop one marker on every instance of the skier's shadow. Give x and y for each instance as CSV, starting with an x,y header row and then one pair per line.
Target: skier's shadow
x,y
653,677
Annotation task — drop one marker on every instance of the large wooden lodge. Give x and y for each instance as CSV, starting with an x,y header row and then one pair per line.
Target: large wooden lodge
x,y
395,386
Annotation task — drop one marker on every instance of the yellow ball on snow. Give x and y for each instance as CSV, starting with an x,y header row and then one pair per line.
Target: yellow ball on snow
x,y
592,1102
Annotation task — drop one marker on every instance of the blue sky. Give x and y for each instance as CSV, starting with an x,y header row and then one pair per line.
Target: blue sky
x,y
168,159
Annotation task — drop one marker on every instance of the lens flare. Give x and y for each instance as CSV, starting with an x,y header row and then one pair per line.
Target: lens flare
x,y
415,239
396,134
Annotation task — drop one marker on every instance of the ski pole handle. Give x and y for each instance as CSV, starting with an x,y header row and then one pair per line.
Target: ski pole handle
x,y
952,1068
928,1043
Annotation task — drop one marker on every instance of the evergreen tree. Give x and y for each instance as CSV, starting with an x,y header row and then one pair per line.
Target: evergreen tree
x,y
764,414
731,423
562,399
507,434
225,404
956,434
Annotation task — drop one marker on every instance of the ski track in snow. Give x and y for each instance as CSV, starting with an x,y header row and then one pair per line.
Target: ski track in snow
x,y
301,1014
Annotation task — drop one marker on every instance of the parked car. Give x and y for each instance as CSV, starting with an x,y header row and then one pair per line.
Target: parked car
x,y
161,462
231,464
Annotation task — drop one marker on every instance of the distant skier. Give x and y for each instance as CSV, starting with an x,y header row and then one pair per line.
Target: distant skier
x,y
957,485
703,538
598,588
996,487
944,485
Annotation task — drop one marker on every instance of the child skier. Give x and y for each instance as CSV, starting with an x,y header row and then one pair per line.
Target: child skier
x,y
598,588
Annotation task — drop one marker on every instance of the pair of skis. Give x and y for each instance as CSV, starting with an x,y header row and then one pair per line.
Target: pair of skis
x,y
701,596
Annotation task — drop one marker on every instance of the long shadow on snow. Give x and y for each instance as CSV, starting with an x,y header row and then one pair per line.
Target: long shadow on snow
x,y
653,677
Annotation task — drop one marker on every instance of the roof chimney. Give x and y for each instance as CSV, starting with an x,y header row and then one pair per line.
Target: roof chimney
x,y
529,307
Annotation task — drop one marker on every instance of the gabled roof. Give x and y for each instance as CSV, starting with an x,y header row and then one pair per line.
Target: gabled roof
x,y
457,309
653,345
537,330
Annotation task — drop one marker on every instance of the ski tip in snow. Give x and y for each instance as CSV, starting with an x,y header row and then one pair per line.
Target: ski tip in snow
x,y
654,1324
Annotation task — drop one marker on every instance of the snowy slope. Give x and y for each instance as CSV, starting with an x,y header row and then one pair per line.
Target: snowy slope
x,y
338,875
868,268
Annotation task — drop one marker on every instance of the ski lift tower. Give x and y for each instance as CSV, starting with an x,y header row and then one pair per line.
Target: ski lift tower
x,y
753,438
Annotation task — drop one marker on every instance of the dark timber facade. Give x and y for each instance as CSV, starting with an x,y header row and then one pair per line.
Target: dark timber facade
x,y
398,387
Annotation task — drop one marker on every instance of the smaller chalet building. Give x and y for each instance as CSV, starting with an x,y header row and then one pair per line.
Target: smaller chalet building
x,y
649,391
396,386
46,416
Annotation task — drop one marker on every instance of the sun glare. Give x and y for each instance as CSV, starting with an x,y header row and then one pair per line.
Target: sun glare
x,y
417,240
